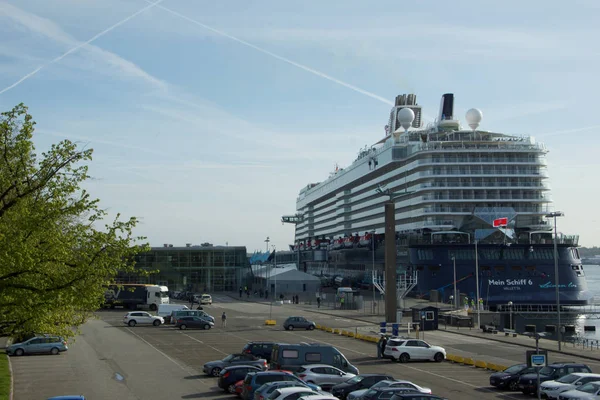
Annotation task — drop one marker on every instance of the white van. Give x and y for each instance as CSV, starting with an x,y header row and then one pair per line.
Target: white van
x,y
165,310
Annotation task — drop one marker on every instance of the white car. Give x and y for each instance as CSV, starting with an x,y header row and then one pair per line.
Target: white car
x,y
385,383
206,299
404,350
134,318
552,389
290,393
588,391
318,397
323,375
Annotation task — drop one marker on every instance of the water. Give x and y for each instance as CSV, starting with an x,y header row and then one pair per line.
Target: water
x,y
592,273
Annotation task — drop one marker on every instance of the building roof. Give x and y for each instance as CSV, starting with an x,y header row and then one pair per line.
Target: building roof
x,y
295,275
266,271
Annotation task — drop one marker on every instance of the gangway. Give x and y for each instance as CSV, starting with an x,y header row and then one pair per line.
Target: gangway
x,y
404,284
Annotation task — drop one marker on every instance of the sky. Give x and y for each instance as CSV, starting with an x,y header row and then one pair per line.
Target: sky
x,y
207,118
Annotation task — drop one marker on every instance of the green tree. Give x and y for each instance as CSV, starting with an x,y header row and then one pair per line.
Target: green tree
x,y
54,261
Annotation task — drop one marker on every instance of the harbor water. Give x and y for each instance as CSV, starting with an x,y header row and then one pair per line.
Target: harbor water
x,y
592,273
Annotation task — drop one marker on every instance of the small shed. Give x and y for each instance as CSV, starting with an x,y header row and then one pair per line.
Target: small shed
x,y
425,316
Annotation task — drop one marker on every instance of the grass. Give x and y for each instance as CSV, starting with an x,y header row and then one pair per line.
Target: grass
x,y
4,376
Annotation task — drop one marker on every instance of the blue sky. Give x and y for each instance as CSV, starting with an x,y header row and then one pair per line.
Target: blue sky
x,y
208,117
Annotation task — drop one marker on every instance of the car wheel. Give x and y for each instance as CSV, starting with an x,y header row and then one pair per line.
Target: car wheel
x,y
310,328
131,323
513,386
156,322
215,371
206,327
290,328
404,357
153,307
183,327
19,352
439,357
54,351
231,388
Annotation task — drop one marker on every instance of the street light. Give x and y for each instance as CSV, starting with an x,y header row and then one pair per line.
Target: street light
x,y
554,215
275,276
455,294
510,304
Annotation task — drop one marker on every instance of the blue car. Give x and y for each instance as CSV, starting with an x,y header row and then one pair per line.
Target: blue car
x,y
38,345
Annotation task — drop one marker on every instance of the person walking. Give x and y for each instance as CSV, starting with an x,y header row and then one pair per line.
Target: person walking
x,y
383,344
223,320
241,292
319,302
379,346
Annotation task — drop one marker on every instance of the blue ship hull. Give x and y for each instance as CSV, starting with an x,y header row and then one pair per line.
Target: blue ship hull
x,y
518,273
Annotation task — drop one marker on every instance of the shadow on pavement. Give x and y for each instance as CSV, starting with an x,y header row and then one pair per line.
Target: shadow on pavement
x,y
203,376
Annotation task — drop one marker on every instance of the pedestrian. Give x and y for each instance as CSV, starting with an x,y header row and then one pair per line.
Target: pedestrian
x,y
266,294
342,303
319,302
223,320
383,344
191,301
380,347
240,292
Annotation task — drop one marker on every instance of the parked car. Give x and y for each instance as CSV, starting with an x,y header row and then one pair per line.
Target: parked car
x,y
165,310
292,323
318,397
193,322
206,299
214,368
264,391
134,318
293,356
259,349
175,315
416,396
509,378
323,375
389,383
38,345
588,391
387,393
230,375
254,380
73,397
404,350
362,381
528,382
552,389
291,393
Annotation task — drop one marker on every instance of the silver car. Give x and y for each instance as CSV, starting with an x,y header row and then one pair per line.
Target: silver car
x,y
357,394
323,375
298,323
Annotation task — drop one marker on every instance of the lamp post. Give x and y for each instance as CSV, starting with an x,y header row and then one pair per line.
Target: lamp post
x,y
275,276
373,283
267,240
455,294
510,304
554,215
477,284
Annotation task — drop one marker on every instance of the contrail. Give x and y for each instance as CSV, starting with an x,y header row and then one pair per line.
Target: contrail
x,y
75,48
281,58
574,130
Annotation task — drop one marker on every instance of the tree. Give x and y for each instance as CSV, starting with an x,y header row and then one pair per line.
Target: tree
x,y
54,262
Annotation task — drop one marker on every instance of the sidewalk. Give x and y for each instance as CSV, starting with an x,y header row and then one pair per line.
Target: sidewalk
x,y
520,340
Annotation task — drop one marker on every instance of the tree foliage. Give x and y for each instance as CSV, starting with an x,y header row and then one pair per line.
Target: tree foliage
x,y
54,262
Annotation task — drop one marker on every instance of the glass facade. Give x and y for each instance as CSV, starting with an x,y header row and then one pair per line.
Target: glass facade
x,y
194,268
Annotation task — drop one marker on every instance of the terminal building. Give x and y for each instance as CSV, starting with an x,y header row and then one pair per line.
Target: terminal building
x,y
196,268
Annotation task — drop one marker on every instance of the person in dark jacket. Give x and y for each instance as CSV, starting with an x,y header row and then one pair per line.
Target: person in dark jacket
x,y
380,347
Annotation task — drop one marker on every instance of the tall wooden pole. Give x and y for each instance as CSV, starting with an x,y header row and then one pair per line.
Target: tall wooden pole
x,y
391,301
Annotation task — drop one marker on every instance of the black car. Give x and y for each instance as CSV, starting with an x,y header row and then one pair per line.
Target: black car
x,y
230,375
259,349
359,382
416,396
509,378
528,382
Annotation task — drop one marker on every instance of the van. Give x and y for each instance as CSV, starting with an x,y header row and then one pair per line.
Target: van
x,y
175,315
165,310
291,357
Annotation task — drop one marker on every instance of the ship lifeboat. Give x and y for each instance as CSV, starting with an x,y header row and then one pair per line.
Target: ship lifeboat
x,y
301,246
365,241
349,242
338,244
315,244
296,247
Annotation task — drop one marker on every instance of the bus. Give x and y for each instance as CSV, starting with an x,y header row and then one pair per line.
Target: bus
x,y
134,296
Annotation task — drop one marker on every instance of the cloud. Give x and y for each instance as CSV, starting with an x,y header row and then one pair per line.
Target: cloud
x,y
49,29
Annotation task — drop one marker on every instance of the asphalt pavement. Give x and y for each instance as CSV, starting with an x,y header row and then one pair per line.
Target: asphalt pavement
x,y
110,360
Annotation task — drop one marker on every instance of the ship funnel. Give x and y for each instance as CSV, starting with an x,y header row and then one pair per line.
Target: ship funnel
x,y
447,107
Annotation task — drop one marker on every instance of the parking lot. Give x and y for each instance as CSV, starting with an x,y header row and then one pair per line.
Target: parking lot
x,y
111,360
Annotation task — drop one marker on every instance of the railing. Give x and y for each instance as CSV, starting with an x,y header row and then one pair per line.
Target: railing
x,y
550,308
404,284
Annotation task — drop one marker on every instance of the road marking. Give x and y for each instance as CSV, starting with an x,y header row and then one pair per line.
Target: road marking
x,y
184,368
200,341
409,367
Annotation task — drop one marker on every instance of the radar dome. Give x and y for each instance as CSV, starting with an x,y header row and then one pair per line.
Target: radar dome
x,y
474,117
406,116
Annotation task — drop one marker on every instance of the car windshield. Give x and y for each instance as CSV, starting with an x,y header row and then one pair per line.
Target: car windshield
x,y
356,379
514,369
228,358
589,388
369,393
568,378
205,296
547,371
381,384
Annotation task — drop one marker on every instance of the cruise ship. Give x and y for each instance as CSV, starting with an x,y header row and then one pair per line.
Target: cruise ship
x,y
461,194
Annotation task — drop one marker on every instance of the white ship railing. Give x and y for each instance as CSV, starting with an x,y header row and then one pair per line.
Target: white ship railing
x,y
404,284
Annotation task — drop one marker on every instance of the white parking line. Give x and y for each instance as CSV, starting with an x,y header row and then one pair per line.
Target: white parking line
x,y
200,341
